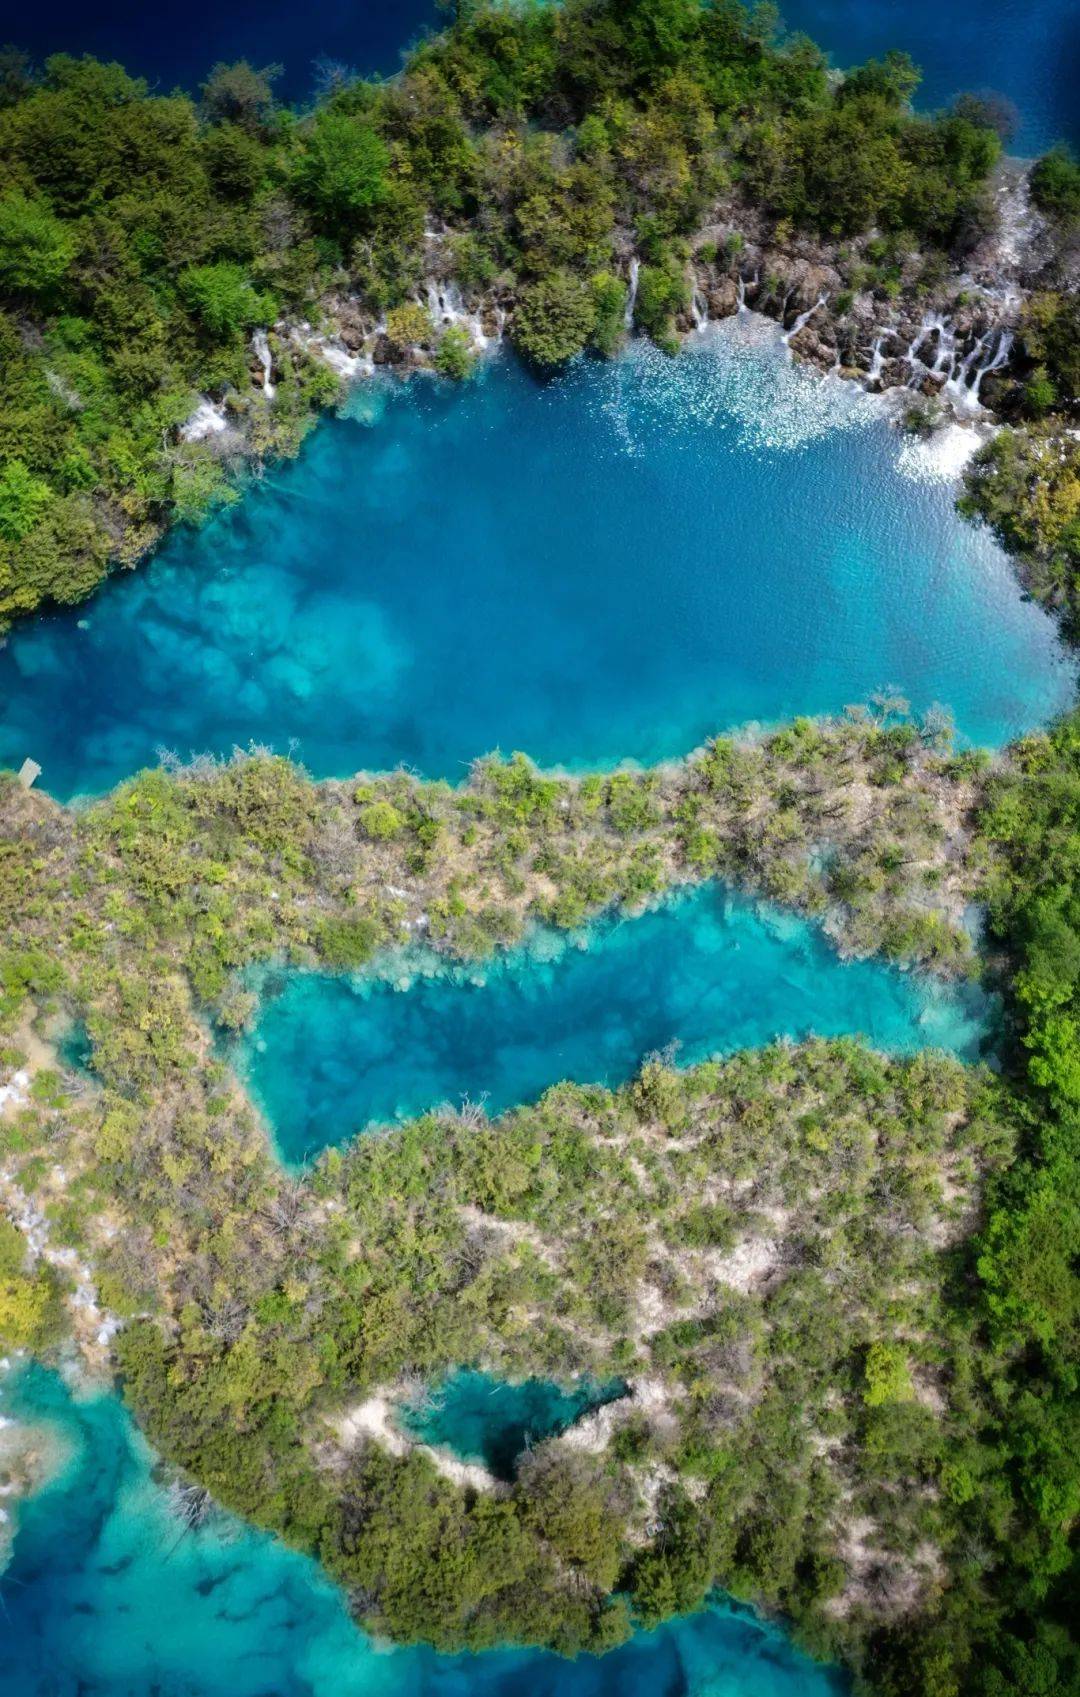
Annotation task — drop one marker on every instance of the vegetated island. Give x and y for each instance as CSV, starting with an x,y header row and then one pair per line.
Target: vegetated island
x,y
841,1291
183,285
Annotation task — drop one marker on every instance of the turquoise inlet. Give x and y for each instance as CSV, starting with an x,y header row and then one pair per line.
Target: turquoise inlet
x,y
613,565
106,1595
708,972
494,1422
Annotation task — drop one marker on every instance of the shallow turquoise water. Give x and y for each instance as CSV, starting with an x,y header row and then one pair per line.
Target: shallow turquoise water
x,y
494,1421
709,972
104,1598
612,565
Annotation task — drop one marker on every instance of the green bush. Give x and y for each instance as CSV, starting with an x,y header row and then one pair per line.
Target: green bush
x,y
341,169
1055,185
224,299
381,821
36,249
24,499
554,319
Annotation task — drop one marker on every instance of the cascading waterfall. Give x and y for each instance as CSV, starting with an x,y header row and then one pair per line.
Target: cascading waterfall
x,y
998,358
938,331
912,356
337,357
631,298
804,318
447,310
945,358
740,295
700,310
261,349
208,419
964,385
933,352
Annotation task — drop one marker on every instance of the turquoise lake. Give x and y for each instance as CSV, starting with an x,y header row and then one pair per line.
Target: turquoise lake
x,y
709,972
494,1421
105,1598
613,565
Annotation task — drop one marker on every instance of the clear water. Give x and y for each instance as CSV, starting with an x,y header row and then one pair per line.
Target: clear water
x,y
74,1048
709,972
613,565
105,1598
494,1421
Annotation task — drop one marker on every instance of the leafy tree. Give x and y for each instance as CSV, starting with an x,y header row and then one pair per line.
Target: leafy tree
x,y
30,1308
36,249
886,1376
341,170
24,499
238,94
381,820
224,299
554,318
409,324
453,356
1055,185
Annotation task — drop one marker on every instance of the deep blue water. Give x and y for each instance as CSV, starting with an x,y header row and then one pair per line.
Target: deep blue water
x,y
494,1421
104,1598
613,565
710,972
1029,51
368,35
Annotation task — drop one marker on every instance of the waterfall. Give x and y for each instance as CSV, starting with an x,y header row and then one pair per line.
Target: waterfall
x,y
631,297
740,295
965,383
447,309
945,358
912,357
958,383
337,357
700,310
876,360
261,348
994,363
208,419
803,318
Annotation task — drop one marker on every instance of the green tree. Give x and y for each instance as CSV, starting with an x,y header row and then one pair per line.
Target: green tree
x,y
555,318
36,249
239,94
224,299
24,499
1055,185
341,171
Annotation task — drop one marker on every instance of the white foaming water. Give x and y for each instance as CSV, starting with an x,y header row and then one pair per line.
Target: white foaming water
x,y
448,311
261,349
337,356
208,419
804,319
939,458
736,375
631,296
